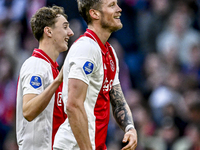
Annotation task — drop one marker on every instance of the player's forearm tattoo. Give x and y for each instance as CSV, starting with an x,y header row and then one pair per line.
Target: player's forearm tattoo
x,y
120,107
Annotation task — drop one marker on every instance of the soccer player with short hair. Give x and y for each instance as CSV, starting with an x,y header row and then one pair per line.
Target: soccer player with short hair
x,y
91,83
39,110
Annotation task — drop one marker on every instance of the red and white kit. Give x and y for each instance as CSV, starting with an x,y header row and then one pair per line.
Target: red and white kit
x,y
97,65
36,74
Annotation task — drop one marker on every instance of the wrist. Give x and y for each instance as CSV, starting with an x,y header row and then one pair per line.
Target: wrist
x,y
58,80
128,127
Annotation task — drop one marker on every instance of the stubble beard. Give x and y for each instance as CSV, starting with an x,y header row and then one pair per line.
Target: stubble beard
x,y
107,26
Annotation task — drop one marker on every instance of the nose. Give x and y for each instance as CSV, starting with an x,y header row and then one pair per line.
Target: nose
x,y
119,9
70,32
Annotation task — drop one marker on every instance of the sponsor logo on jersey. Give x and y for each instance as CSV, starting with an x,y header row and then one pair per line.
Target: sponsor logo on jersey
x,y
35,82
59,99
107,85
88,67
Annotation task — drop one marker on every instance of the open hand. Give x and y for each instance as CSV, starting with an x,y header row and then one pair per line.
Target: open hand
x,y
130,137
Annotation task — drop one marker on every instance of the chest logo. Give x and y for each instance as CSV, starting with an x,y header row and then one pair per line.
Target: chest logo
x,y
88,67
112,65
35,82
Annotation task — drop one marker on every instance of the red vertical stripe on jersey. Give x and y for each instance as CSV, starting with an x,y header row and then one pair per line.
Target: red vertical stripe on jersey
x,y
102,107
58,113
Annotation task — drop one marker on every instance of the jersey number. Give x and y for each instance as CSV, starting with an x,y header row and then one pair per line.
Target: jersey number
x,y
59,99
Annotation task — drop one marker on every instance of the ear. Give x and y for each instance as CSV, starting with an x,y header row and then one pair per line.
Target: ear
x,y
95,14
47,31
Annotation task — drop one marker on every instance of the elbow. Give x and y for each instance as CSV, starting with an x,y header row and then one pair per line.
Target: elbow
x,y
71,108
27,116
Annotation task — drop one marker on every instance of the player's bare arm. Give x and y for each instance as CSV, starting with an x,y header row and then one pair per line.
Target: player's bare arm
x,y
34,104
120,107
76,113
123,117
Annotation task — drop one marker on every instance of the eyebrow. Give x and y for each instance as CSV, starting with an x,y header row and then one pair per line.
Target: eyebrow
x,y
66,23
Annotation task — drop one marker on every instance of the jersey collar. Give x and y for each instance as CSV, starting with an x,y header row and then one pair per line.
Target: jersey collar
x,y
41,54
92,35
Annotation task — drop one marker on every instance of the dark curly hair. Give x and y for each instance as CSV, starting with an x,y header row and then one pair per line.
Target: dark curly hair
x,y
45,16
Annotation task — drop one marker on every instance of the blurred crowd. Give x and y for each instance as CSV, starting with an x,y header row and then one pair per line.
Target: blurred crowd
x,y
159,55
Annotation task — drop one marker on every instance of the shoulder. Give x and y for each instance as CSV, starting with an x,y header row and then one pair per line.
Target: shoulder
x,y
85,46
87,41
33,61
34,65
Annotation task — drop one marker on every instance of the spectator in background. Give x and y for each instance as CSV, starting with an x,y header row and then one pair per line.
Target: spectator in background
x,y
192,69
70,7
154,73
151,22
179,31
194,112
31,7
167,93
168,132
7,97
190,140
12,10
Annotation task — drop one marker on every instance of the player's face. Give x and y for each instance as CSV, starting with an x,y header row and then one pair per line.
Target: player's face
x,y
110,15
61,34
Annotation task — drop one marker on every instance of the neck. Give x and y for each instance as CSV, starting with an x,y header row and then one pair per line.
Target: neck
x,y
103,34
49,49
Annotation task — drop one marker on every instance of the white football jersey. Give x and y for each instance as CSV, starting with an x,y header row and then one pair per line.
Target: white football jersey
x,y
97,66
36,74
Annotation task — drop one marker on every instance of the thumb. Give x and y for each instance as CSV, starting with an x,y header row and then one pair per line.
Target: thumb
x,y
125,138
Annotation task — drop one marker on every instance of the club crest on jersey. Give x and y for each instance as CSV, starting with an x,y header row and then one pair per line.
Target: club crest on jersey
x,y
88,67
112,65
35,82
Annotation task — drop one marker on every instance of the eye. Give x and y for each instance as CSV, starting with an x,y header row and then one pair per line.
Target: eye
x,y
65,25
112,4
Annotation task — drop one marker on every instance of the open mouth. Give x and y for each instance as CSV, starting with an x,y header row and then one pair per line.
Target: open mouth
x,y
66,40
117,17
